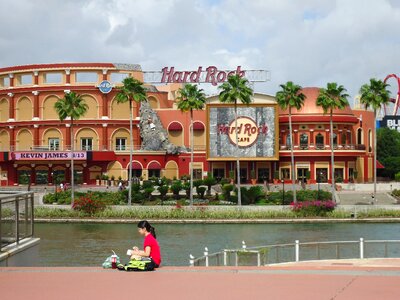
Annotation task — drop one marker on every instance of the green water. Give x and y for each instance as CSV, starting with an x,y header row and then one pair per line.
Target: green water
x,y
89,244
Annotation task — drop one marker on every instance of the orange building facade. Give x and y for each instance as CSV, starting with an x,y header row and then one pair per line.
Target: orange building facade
x,y
35,145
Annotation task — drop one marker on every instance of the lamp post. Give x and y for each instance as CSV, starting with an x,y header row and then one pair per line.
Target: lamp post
x,y
283,192
55,186
318,181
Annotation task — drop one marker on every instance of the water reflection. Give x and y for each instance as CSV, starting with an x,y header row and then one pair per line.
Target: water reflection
x,y
90,244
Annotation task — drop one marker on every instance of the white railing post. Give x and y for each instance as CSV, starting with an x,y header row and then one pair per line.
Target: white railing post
x,y
206,255
361,248
225,258
258,259
297,250
191,260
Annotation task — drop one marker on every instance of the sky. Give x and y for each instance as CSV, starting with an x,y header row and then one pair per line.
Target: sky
x,y
309,42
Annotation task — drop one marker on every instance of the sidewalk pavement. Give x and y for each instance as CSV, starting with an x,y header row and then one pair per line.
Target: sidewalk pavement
x,y
345,279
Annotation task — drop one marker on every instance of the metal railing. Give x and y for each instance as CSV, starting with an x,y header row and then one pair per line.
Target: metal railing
x,y
16,217
295,252
350,147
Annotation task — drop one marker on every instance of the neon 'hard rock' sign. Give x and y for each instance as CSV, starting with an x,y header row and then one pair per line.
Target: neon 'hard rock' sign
x,y
209,75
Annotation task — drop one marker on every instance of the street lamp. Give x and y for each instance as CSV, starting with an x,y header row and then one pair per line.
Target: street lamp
x,y
319,175
283,192
55,186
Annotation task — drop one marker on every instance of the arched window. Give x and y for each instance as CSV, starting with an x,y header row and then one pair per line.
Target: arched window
x,y
303,141
319,141
359,136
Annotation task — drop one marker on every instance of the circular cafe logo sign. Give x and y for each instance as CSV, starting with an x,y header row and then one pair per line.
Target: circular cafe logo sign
x,y
105,86
247,130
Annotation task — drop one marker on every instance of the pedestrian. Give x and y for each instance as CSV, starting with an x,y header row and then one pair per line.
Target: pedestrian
x,y
151,248
61,187
120,186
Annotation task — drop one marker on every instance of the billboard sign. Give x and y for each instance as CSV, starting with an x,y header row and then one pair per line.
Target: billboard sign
x,y
392,122
49,155
257,132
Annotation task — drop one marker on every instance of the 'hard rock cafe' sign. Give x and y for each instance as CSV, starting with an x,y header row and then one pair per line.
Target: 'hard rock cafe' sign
x,y
247,131
256,127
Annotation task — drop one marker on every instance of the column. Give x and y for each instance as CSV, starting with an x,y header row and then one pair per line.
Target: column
x,y
312,142
312,171
11,76
11,107
105,106
33,174
104,145
295,139
327,138
283,138
105,75
35,78
35,105
339,137
346,172
67,76
12,138
68,136
36,140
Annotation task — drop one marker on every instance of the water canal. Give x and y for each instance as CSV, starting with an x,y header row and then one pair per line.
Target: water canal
x,y
64,244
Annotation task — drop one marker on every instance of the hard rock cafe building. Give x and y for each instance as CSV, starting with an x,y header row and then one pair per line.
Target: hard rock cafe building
x,y
35,145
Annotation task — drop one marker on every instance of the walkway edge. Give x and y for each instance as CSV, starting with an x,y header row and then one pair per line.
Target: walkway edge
x,y
217,221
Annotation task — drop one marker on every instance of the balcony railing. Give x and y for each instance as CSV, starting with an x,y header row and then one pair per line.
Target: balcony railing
x,y
350,147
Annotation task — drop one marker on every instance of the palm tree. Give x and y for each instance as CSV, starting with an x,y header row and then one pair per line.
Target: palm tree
x,y
236,89
73,106
291,97
131,90
191,98
333,97
374,95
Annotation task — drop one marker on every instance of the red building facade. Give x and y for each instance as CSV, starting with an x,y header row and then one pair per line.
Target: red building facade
x,y
35,145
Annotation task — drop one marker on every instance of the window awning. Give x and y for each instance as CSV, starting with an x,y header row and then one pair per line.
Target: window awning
x,y
198,125
175,126
154,166
136,166
379,165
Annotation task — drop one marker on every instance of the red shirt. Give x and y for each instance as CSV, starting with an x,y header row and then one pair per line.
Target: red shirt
x,y
150,241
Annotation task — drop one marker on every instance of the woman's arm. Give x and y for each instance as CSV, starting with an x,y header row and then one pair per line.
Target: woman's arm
x,y
145,253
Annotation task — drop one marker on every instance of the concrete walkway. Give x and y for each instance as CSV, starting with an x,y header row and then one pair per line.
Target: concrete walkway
x,y
352,279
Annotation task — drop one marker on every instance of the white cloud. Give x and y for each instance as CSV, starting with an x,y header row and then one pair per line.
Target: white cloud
x,y
311,42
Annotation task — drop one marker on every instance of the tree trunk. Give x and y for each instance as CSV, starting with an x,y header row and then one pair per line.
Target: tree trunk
x,y
292,156
332,160
374,155
130,154
72,163
191,157
237,159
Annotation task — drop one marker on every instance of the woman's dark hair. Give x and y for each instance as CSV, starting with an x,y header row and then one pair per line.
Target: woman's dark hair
x,y
149,228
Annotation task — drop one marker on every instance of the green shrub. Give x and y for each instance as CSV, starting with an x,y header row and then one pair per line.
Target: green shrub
x,y
147,184
197,183
201,190
313,208
209,181
163,189
227,189
176,187
397,176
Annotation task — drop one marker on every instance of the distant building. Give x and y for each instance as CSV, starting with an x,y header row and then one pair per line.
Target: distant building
x,y
35,145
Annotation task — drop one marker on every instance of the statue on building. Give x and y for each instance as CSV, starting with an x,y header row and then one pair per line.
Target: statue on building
x,y
153,134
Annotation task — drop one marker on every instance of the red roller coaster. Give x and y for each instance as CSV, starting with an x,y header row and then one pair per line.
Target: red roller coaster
x,y
394,100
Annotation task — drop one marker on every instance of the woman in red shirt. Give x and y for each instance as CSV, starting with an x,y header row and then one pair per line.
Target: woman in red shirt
x,y
150,245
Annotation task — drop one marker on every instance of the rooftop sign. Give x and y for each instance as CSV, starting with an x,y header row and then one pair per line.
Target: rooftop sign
x,y
210,74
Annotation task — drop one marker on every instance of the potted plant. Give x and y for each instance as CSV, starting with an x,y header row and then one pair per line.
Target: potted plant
x,y
276,177
355,175
308,176
232,176
253,177
112,180
97,179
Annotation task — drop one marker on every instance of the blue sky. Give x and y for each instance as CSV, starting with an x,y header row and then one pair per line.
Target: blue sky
x,y
310,42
